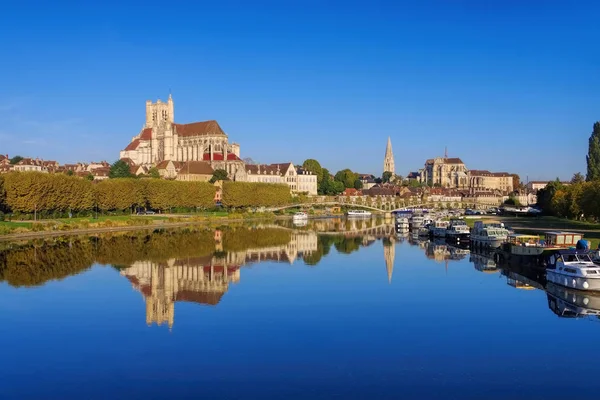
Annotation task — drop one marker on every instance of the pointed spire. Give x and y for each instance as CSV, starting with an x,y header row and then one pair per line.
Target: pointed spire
x,y
446,152
388,161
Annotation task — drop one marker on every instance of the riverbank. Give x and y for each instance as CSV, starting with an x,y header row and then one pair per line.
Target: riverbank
x,y
23,230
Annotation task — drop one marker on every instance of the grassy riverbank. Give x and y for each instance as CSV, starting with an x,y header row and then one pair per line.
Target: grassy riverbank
x,y
11,229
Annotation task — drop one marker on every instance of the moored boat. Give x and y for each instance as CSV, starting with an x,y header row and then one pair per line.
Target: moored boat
x,y
358,213
438,228
572,268
458,231
489,234
299,216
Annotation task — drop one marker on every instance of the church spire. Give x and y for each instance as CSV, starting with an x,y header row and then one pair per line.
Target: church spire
x,y
388,161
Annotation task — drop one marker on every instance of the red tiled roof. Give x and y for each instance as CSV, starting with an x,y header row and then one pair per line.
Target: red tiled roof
x,y
219,157
128,161
133,145
146,134
455,160
208,298
199,129
196,168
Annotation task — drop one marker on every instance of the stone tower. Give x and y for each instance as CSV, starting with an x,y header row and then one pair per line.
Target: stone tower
x,y
159,112
388,161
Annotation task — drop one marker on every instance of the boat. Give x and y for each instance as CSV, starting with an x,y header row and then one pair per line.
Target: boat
x,y
489,234
458,231
402,223
358,213
573,269
299,216
531,250
438,228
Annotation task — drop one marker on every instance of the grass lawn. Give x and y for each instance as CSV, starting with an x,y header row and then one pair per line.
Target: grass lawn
x,y
548,223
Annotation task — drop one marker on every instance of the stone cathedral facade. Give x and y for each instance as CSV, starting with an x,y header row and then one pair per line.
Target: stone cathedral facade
x,y
162,139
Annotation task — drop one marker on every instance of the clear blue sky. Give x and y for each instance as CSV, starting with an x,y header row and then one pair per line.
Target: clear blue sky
x,y
506,85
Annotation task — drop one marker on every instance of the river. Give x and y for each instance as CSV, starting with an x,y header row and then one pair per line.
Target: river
x,y
332,309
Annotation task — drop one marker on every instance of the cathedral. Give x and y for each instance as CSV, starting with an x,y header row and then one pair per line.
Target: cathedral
x,y
162,139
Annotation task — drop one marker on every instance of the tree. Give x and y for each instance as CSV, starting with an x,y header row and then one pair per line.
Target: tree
x,y
314,167
386,177
89,177
120,169
70,172
577,178
153,173
15,160
517,185
593,157
347,177
358,184
219,175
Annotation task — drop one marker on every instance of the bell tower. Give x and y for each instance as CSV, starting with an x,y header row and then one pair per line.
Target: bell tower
x,y
159,112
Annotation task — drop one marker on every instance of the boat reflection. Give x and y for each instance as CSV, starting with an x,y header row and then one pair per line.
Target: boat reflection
x,y
569,303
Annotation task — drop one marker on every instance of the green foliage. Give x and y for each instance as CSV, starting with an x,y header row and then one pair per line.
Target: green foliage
x,y
315,167
347,177
26,192
248,194
358,184
153,173
571,201
577,178
3,206
70,172
219,175
89,177
512,201
119,169
31,191
386,177
330,187
256,238
15,160
593,156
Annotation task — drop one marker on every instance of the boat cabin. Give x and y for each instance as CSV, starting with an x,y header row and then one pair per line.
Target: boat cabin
x,y
523,240
571,261
562,239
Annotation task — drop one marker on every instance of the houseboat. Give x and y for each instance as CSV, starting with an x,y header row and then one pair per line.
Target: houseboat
x,y
572,268
530,250
438,228
458,231
417,221
489,234
358,213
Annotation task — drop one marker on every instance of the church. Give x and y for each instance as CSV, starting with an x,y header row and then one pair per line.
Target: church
x,y
162,139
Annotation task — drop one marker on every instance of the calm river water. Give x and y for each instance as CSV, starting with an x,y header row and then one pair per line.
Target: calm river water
x,y
334,309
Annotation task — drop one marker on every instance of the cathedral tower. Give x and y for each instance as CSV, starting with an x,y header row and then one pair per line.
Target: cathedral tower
x,y
159,112
388,161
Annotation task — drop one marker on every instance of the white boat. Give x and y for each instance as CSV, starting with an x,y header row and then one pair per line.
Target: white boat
x,y
438,228
417,221
402,223
573,269
458,231
358,213
299,216
489,233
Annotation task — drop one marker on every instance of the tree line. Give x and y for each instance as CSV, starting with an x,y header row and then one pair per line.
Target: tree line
x,y
580,198
28,192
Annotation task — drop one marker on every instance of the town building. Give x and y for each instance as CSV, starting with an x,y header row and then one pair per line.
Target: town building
x,y
298,179
388,160
367,180
162,139
483,179
30,165
195,171
534,186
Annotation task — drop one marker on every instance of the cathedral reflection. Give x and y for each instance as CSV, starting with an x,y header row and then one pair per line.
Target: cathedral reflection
x,y
204,280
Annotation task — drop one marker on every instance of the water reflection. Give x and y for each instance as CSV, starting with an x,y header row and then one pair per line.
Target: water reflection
x,y
198,265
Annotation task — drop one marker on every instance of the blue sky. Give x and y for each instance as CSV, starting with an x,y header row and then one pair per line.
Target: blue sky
x,y
506,85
